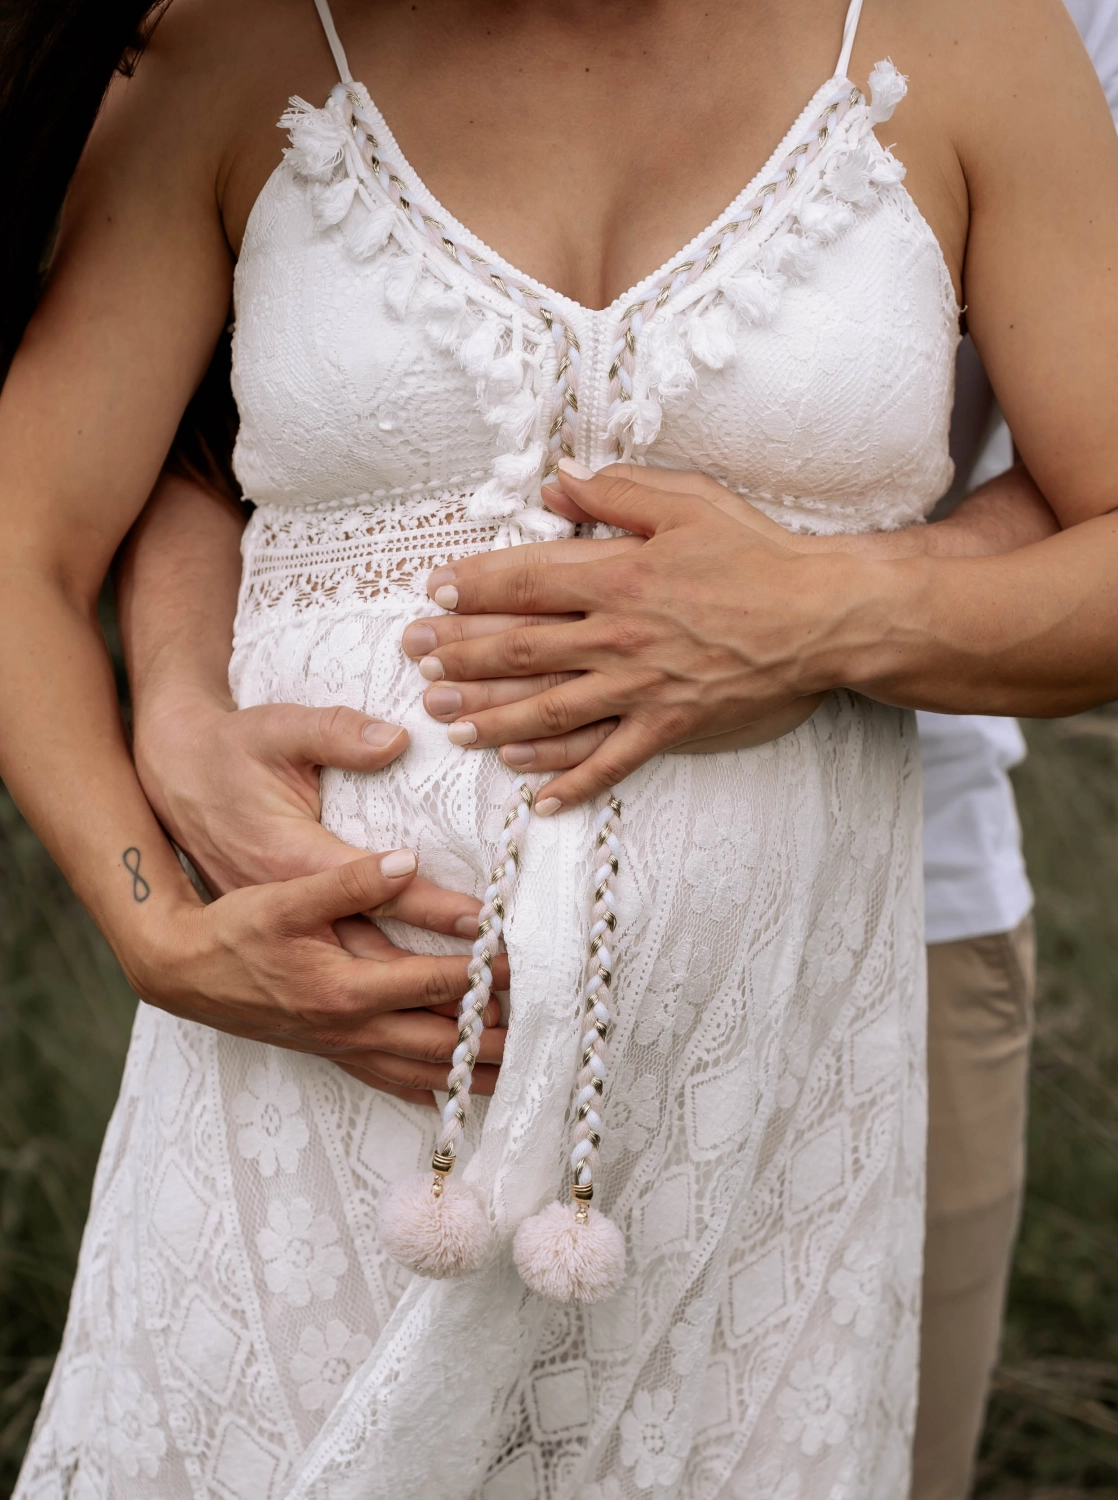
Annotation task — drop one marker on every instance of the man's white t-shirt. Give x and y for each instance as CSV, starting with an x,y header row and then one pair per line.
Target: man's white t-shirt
x,y
974,871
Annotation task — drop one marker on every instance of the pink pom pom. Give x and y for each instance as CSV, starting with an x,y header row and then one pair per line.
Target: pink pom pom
x,y
434,1236
566,1261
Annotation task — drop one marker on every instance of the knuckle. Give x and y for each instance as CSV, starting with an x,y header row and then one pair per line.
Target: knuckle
x,y
627,637
553,716
608,769
674,724
627,580
620,486
352,881
437,1049
519,650
436,988
330,724
524,590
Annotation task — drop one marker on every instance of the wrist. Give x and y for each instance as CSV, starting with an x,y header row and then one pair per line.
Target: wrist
x,y
168,725
157,954
869,622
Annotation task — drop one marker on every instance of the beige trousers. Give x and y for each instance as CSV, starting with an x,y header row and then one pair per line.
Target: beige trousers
x,y
980,994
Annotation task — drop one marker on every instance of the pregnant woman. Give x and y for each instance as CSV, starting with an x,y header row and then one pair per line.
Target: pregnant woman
x,y
742,927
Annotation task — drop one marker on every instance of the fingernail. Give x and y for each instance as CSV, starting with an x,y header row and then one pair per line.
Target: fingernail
x,y
576,470
442,702
446,597
518,755
399,862
466,927
417,640
462,734
380,735
431,668
440,575
546,806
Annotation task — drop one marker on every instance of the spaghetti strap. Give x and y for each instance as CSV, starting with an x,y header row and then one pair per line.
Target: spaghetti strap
x,y
335,41
849,31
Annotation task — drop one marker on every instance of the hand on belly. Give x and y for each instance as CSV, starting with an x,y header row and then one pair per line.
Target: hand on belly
x,y
625,678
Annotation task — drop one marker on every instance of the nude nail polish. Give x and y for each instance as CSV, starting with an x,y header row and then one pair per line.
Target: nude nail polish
x,y
462,734
442,702
446,597
546,806
431,668
419,640
399,862
380,735
466,927
518,755
576,470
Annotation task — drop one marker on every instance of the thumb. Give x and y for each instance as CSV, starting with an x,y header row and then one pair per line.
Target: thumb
x,y
622,495
341,737
358,885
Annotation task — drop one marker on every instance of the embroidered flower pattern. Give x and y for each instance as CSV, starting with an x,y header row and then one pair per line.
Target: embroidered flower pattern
x,y
633,1116
816,1405
856,1288
272,1132
718,867
339,659
326,1361
136,1440
690,1343
678,987
646,1445
770,1482
301,1253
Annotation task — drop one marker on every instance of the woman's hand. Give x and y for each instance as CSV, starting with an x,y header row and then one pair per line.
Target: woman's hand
x,y
692,633
267,963
238,790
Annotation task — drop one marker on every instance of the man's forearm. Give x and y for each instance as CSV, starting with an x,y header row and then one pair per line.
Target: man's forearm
x,y
1032,631
177,595
1004,514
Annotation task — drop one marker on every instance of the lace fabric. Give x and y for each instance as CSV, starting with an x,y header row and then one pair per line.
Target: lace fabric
x,y
236,1330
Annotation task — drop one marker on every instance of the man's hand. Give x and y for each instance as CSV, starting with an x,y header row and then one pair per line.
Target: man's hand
x,y
694,632
1007,513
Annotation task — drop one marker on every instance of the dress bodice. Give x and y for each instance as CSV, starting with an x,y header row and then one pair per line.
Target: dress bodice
x,y
800,350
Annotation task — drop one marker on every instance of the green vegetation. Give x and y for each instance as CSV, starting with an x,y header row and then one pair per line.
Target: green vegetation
x,y
1052,1430
1052,1433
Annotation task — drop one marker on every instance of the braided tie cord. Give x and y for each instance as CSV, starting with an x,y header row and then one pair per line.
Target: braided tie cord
x,y
491,919
596,1013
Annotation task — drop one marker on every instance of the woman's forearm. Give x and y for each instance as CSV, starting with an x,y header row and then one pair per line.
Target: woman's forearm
x,y
65,760
1032,632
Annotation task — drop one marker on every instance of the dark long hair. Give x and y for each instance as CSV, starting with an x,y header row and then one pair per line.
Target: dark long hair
x,y
57,59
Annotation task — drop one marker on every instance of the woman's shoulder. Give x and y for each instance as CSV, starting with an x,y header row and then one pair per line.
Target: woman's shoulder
x,y
206,93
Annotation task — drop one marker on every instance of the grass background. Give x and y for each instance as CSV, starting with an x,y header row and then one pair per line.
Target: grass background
x,y
1052,1431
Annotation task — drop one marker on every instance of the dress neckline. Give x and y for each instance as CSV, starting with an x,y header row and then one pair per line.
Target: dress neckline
x,y
837,85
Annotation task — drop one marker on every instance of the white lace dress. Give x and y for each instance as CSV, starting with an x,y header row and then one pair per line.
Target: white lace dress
x,y
236,1329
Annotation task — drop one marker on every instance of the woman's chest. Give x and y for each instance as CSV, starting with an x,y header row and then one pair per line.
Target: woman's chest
x,y
799,349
